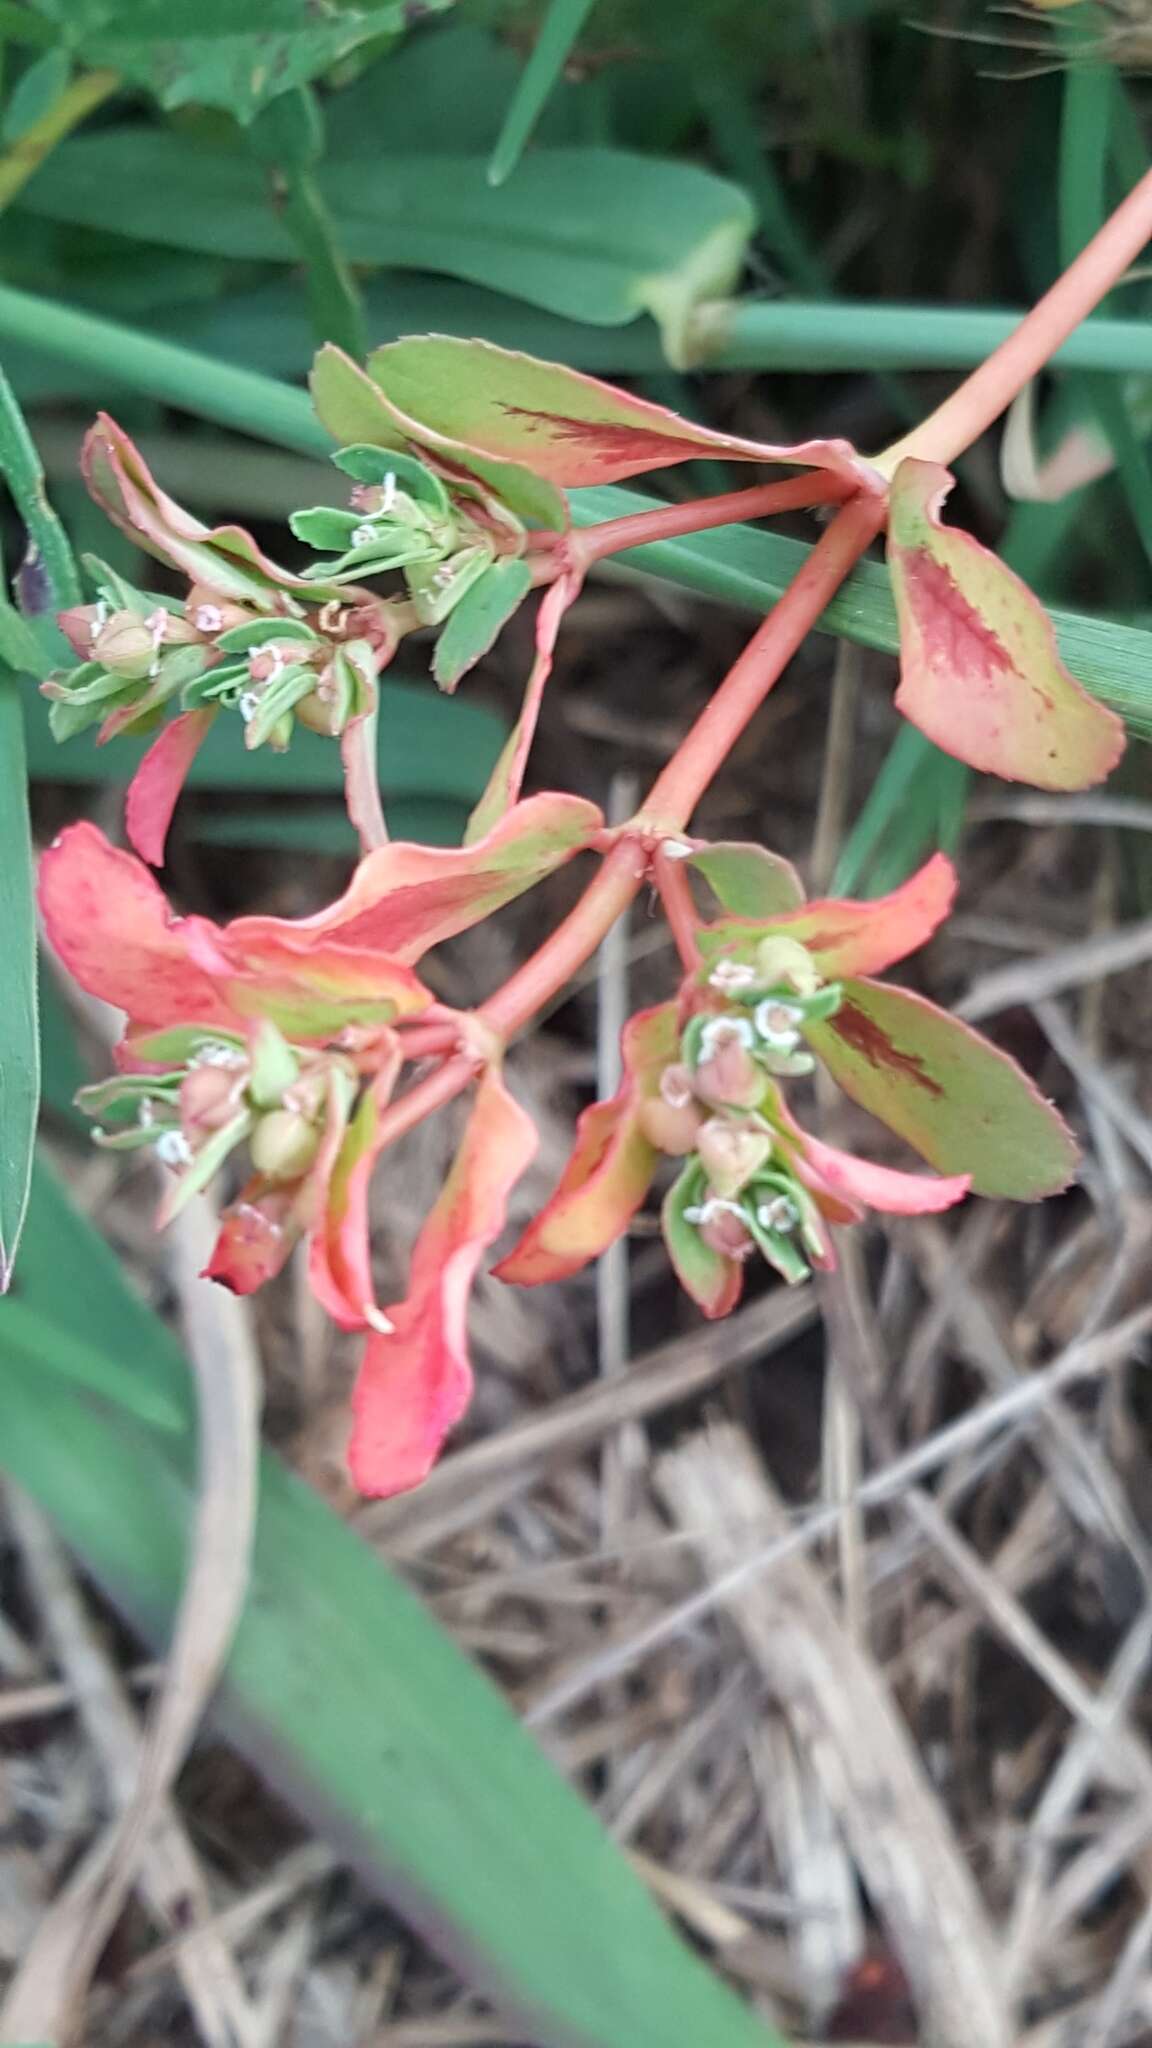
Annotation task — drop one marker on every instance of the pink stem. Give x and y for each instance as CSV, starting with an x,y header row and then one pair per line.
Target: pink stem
x,y
672,522
675,891
983,396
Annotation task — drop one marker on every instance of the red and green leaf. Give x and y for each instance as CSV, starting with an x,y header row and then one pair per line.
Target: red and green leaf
x,y
156,785
959,1101
225,558
351,404
405,898
980,671
416,1380
473,625
339,1258
110,924
859,1184
848,937
610,1170
562,425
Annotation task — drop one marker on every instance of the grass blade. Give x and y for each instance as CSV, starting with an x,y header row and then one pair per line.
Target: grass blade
x,y
19,1030
558,31
355,1703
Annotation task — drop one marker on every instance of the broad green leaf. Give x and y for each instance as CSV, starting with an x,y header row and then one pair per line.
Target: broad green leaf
x,y
459,1818
35,91
748,880
964,1105
558,422
473,625
19,1030
980,674
599,235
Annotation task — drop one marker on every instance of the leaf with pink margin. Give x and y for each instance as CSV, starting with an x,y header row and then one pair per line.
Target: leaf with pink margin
x,y
109,922
158,781
225,558
845,936
714,1282
507,777
339,1254
980,671
350,403
959,1101
111,925
858,1184
415,1382
404,898
610,1169
748,880
572,429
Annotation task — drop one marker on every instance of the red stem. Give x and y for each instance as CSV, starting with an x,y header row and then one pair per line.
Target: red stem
x,y
983,396
671,878
672,522
676,792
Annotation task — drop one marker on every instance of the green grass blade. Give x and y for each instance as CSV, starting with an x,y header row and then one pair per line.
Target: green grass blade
x,y
49,551
360,1709
806,335
558,31
19,1029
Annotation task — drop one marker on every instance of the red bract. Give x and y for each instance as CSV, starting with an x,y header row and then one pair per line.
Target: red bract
x,y
416,1380
109,922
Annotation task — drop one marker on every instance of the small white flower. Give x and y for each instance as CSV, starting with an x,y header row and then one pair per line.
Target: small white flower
x,y
721,1031
208,618
776,1024
213,1053
173,1148
728,975
364,534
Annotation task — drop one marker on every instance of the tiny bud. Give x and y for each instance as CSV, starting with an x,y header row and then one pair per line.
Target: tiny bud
x,y
284,1144
125,647
731,1151
676,1086
725,1231
670,1127
782,962
208,1099
727,1075
80,625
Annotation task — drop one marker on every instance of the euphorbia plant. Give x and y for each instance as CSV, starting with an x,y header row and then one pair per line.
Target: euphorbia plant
x,y
310,1046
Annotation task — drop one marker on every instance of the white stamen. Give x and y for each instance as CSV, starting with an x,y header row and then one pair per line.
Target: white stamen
x,y
376,1319
100,620
157,624
208,618
676,849
214,1054
145,1113
731,974
779,1214
248,705
444,574
722,1030
173,1148
716,1205
363,536
388,494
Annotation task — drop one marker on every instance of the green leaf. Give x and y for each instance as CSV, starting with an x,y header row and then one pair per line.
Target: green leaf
x,y
713,1281
980,674
480,616
35,91
357,1705
562,23
597,234
748,880
963,1104
184,53
19,1030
